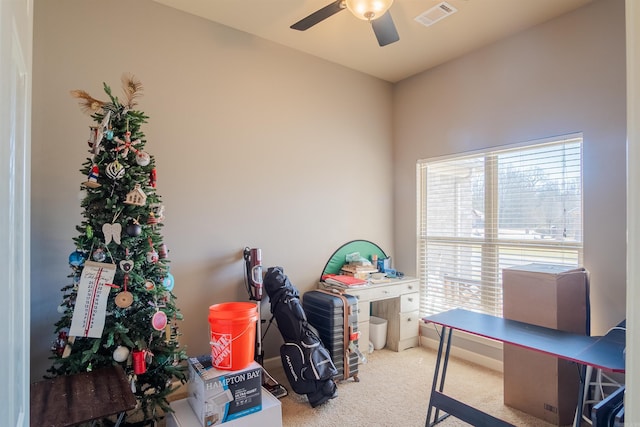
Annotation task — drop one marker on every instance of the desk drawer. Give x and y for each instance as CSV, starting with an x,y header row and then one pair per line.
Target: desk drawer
x,y
409,287
360,294
385,292
408,325
409,302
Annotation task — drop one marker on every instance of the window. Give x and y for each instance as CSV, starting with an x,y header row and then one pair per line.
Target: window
x,y
482,212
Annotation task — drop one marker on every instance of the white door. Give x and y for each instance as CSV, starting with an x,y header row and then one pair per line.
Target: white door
x,y
16,27
632,379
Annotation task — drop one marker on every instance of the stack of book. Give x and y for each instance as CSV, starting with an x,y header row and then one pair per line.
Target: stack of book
x,y
343,280
358,270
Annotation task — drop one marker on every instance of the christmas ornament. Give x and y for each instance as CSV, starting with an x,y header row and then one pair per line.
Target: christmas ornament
x,y
149,285
126,145
124,299
158,211
162,251
93,136
133,228
153,177
148,355
152,220
89,232
111,231
109,134
115,170
168,282
139,363
159,320
67,347
126,265
76,259
167,333
100,132
152,255
143,158
136,197
99,255
120,354
60,343
92,178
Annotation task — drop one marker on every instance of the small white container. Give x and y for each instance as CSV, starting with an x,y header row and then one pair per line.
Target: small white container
x,y
378,332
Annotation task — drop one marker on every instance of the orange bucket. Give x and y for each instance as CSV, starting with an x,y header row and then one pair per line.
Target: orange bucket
x,y
233,334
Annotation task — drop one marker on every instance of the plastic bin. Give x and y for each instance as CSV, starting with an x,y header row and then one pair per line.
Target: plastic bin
x,y
378,332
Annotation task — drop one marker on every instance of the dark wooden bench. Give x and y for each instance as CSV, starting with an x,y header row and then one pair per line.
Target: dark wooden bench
x,y
75,399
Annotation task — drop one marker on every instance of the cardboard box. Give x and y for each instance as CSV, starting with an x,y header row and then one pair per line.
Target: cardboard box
x,y
269,416
555,297
549,295
218,396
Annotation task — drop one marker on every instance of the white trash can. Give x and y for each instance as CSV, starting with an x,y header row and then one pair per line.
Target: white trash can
x,y
378,332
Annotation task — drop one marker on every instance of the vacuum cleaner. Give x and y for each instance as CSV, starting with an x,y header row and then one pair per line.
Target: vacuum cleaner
x,y
253,281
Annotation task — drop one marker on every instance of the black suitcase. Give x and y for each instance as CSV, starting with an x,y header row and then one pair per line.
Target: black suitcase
x,y
335,317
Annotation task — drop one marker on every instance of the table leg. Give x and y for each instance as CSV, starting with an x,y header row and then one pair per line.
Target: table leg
x,y
450,406
121,415
583,372
439,377
120,418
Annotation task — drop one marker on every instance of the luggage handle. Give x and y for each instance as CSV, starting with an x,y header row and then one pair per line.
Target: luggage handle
x,y
346,329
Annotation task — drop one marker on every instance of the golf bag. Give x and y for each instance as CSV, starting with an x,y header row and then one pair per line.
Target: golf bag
x,y
306,362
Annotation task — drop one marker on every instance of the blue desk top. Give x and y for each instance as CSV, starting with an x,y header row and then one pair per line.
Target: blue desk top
x,y
600,352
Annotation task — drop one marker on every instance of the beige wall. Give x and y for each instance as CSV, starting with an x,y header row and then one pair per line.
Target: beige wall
x,y
253,142
256,144
565,76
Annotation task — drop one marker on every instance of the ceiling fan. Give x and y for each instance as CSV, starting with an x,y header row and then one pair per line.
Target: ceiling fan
x,y
374,11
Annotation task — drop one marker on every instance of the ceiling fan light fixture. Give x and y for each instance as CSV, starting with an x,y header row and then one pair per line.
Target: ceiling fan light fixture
x,y
368,10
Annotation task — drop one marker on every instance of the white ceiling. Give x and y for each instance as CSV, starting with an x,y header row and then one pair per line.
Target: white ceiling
x,y
346,40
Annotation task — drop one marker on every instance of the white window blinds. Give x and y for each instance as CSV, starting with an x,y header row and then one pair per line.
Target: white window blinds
x,y
480,213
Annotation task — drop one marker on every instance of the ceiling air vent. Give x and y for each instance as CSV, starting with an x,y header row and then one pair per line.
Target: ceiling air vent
x,y
435,14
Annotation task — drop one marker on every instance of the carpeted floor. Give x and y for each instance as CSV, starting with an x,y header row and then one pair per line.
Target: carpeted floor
x,y
393,391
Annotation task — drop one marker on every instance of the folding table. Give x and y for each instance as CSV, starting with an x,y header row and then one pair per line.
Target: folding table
x,y
606,353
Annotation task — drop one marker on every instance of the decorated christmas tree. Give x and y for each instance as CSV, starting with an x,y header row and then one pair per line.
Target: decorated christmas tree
x,y
118,307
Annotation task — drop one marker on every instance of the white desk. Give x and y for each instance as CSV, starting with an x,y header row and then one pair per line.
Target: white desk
x,y
397,301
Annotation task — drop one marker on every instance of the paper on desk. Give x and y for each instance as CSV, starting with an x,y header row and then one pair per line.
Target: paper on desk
x,y
343,280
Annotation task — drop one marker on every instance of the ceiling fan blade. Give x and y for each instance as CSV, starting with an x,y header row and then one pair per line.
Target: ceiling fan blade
x,y
319,15
385,30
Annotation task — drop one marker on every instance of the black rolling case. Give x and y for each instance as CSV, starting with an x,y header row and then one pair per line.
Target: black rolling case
x,y
335,316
